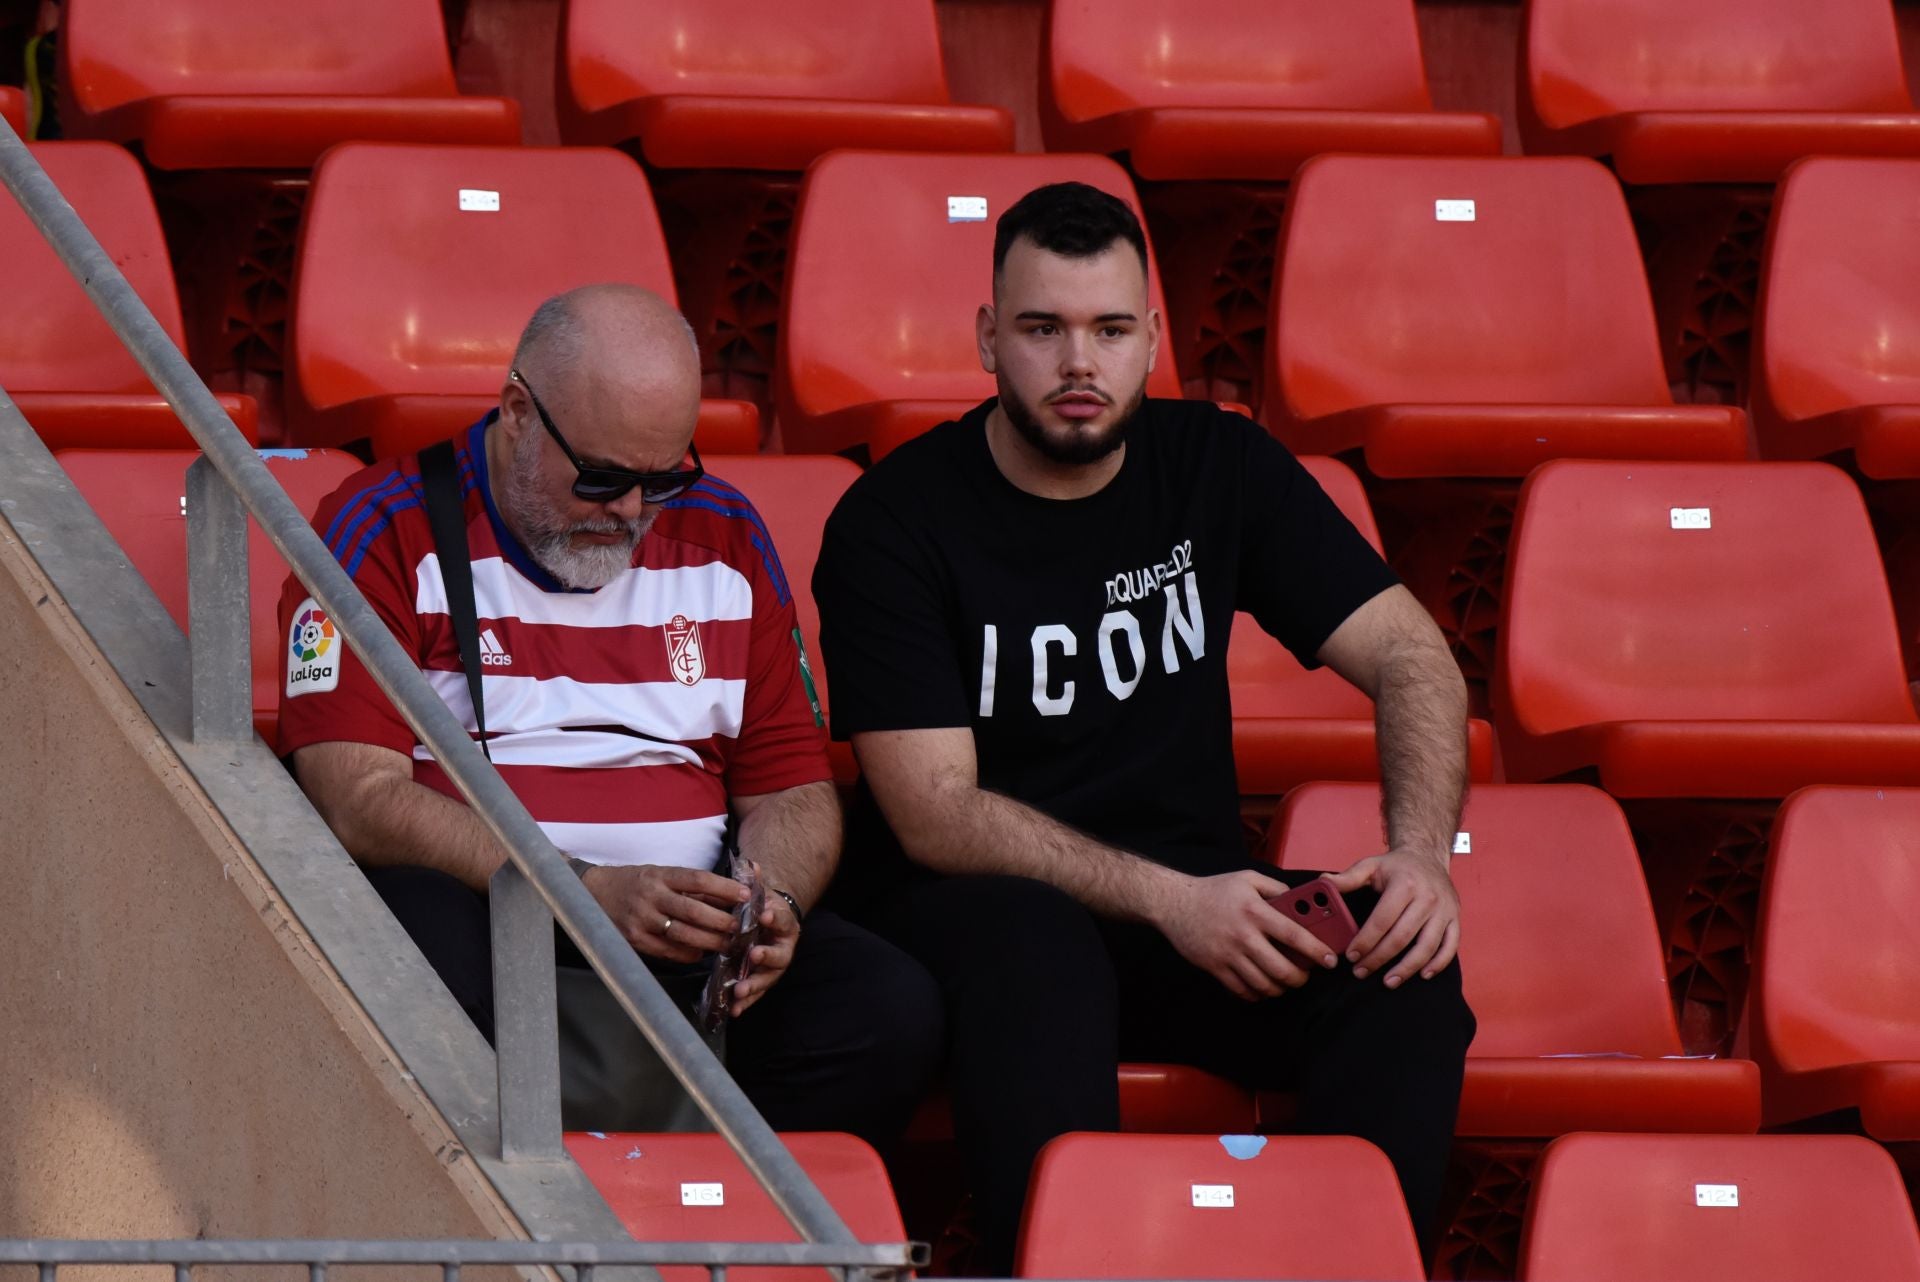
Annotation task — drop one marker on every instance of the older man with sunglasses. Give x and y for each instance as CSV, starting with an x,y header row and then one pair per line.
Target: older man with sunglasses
x,y
644,694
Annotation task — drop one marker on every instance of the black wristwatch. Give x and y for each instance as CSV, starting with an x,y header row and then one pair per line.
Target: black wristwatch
x,y
799,917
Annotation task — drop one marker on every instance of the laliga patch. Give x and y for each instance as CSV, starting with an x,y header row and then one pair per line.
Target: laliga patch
x,y
314,652
686,657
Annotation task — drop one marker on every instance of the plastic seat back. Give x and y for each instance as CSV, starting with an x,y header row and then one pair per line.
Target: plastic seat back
x,y
693,1188
851,50
1264,677
120,51
886,273
54,339
1837,947
1563,954
1718,1208
140,496
1695,592
1841,323
1392,291
1185,1206
1586,60
13,109
419,265
1107,56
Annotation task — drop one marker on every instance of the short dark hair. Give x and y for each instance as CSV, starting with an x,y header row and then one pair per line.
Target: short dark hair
x,y
1070,219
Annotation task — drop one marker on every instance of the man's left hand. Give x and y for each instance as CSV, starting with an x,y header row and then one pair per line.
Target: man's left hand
x,y
1418,915
779,933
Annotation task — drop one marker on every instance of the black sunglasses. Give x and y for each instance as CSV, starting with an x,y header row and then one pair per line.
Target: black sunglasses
x,y
605,484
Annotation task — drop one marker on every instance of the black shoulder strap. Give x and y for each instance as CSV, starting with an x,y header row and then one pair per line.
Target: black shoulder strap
x,y
440,477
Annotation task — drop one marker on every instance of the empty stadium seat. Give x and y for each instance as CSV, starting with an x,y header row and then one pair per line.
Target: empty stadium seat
x,y
72,379
1837,1025
794,495
1291,725
221,84
694,1188
13,109
140,496
1718,1208
877,339
1561,959
419,266
1713,90
1700,630
1190,1206
1471,317
1837,357
762,84
1243,89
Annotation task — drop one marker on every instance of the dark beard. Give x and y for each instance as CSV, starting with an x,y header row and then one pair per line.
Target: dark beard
x,y
1082,448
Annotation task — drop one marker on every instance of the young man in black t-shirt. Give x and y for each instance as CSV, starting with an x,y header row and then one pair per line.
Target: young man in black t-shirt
x,y
1026,614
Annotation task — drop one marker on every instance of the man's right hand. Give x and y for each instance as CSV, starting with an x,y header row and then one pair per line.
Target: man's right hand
x,y
675,914
1225,926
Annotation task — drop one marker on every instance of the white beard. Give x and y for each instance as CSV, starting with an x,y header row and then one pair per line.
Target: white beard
x,y
549,540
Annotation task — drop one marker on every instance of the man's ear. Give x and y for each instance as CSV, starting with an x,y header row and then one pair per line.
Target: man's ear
x,y
985,325
1153,337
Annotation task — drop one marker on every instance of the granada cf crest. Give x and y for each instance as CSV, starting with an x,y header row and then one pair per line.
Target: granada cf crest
x,y
685,655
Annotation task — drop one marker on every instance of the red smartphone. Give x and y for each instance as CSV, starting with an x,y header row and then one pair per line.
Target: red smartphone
x,y
1317,905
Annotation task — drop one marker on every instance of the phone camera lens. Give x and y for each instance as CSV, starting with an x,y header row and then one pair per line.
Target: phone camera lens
x,y
1320,899
1300,906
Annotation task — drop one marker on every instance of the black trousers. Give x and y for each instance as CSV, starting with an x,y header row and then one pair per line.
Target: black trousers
x,y
846,1041
1043,1000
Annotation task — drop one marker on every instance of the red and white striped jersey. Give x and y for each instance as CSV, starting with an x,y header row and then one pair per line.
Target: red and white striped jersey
x,y
623,718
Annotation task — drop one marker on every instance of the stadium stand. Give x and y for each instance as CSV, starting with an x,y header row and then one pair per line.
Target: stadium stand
x,y
1757,1208
218,84
1673,626
1836,1025
1471,317
59,361
1836,357
1568,976
794,494
13,109
140,496
762,84
1718,91
1163,1206
1239,89
694,1188
419,265
1291,725
886,273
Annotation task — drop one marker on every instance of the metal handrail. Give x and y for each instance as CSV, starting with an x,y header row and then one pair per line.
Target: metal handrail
x,y
528,849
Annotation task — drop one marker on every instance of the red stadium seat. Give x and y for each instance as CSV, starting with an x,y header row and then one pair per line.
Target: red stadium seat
x,y
1514,329
763,84
1714,91
1718,1208
1837,361
13,109
1189,1206
1700,630
140,496
72,379
794,495
419,265
877,337
1562,962
222,84
1243,89
693,1188
1837,1022
1291,725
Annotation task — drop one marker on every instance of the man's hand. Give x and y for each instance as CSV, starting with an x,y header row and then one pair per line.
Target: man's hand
x,y
779,933
1225,926
1418,907
676,914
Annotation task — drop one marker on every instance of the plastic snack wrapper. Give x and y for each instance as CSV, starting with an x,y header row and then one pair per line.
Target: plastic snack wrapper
x,y
733,963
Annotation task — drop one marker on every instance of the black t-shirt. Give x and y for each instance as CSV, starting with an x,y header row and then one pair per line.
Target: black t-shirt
x,y
1083,641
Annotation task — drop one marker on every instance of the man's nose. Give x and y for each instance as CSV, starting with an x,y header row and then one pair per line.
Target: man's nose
x,y
629,506
1076,356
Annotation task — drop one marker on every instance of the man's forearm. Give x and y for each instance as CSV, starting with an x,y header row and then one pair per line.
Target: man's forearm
x,y
390,820
1420,722
794,836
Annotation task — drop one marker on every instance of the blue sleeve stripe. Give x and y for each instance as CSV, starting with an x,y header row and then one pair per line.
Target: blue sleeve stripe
x,y
762,540
351,561
373,508
354,507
